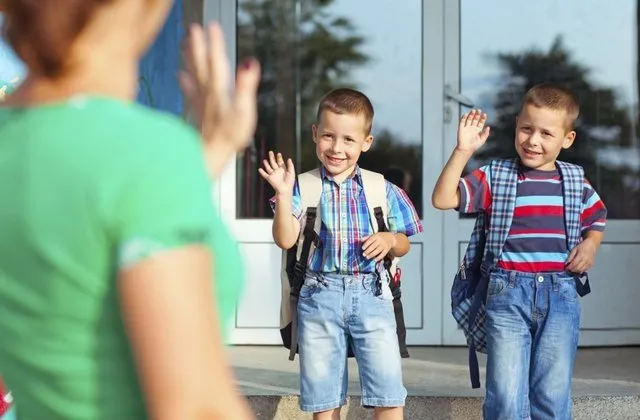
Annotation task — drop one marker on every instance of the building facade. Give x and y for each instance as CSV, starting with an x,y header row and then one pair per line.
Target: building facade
x,y
423,63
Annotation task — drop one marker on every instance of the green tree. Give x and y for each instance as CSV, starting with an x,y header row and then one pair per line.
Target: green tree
x,y
305,51
604,122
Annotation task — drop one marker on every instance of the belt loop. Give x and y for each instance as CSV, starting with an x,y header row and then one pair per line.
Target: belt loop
x,y
512,278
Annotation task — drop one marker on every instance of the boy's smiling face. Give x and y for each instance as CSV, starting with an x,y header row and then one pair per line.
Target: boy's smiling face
x,y
340,139
541,134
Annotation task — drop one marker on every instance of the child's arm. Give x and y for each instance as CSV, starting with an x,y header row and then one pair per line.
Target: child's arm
x,y
403,222
472,134
593,220
281,177
286,226
446,194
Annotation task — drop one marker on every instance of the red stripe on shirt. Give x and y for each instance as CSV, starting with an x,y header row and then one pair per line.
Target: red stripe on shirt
x,y
532,267
527,211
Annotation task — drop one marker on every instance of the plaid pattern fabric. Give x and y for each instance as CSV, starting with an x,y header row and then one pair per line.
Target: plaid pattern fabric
x,y
346,222
488,238
503,178
573,184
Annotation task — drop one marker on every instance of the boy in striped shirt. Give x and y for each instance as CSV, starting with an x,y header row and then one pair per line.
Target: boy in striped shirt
x,y
341,302
532,308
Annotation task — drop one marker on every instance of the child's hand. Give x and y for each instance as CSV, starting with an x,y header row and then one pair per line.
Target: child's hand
x,y
280,176
378,245
472,133
581,257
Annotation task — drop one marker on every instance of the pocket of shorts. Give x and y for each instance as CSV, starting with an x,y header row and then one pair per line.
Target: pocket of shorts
x,y
497,286
384,294
567,291
309,288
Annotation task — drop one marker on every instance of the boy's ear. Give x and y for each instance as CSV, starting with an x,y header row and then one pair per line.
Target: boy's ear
x,y
314,132
567,142
368,141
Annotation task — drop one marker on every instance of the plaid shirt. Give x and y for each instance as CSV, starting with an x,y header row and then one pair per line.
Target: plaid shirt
x,y
346,222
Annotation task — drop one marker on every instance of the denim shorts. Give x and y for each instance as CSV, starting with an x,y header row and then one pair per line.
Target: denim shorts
x,y
336,311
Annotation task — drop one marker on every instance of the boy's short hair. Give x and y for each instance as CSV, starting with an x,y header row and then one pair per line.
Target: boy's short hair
x,y
347,101
555,97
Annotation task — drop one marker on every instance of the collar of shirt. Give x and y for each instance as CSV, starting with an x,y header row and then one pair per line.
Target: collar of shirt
x,y
355,175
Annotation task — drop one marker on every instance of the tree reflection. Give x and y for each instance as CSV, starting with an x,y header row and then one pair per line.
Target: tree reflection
x,y
305,52
606,142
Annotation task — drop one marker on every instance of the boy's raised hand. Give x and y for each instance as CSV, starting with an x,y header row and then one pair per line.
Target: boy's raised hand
x,y
472,133
279,175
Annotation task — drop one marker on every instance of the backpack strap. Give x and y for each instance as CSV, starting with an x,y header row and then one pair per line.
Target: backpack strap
x,y
573,187
502,179
503,183
375,192
310,188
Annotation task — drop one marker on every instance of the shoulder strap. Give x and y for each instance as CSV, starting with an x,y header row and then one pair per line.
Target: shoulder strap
x,y
310,187
573,186
503,182
375,192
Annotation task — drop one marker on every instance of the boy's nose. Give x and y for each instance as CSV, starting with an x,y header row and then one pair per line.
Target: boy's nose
x,y
533,140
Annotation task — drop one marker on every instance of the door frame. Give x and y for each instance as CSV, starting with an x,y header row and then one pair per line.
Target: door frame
x,y
259,230
457,231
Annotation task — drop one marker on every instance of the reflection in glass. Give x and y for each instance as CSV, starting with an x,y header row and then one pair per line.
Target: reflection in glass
x,y
308,47
589,46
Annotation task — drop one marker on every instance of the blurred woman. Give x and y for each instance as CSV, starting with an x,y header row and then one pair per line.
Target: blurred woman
x,y
110,241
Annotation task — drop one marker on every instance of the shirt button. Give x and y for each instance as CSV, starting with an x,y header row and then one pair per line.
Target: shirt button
x,y
540,279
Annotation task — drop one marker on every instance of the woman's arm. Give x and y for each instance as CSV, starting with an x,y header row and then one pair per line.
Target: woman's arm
x,y
170,315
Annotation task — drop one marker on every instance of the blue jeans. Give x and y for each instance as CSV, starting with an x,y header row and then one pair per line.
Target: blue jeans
x,y
533,323
335,311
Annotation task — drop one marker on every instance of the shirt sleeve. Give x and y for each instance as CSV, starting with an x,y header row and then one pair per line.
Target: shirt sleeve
x,y
296,209
164,198
475,191
594,212
402,215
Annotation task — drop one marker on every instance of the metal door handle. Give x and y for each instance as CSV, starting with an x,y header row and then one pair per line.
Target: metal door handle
x,y
451,94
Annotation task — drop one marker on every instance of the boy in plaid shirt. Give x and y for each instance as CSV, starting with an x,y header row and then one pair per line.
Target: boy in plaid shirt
x,y
341,302
532,307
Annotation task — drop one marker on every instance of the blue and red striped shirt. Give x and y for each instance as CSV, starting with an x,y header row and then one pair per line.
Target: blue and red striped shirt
x,y
346,222
537,240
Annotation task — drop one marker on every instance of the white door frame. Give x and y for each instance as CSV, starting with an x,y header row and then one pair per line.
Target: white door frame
x,y
457,231
259,230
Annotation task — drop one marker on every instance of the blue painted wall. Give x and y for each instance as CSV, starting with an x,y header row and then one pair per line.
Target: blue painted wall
x,y
159,68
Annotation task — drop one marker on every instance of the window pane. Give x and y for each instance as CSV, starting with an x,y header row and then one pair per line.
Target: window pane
x,y
592,47
308,47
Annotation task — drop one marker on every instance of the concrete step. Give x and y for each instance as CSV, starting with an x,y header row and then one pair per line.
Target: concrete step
x,y
272,407
606,384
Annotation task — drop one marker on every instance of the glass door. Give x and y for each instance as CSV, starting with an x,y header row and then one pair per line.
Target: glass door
x,y
497,50
307,48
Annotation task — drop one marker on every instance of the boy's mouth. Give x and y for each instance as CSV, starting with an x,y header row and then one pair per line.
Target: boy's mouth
x,y
334,160
531,153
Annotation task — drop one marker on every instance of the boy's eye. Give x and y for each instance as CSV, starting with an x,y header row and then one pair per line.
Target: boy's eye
x,y
525,129
349,140
547,134
327,136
